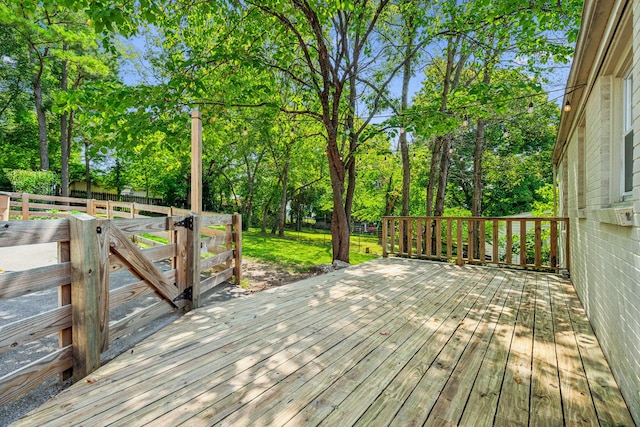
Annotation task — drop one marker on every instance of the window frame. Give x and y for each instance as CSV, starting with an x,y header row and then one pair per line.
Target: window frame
x,y
626,137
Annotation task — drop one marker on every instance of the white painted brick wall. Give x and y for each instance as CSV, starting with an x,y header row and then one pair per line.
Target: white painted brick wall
x,y
605,264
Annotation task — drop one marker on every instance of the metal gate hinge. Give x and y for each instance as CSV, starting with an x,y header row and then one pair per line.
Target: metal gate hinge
x,y
187,223
186,294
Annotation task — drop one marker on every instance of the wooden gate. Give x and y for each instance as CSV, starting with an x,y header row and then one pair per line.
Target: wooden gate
x,y
90,250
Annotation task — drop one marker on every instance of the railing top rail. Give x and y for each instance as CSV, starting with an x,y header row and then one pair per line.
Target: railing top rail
x,y
480,218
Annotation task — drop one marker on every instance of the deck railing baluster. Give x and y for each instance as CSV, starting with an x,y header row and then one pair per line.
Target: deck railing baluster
x,y
428,234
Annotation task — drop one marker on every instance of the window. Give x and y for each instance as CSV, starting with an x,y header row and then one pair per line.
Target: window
x,y
627,135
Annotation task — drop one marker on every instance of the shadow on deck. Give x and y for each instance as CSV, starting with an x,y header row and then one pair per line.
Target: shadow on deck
x,y
391,341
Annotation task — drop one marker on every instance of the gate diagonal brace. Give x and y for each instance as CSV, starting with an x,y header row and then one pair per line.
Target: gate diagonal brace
x,y
187,223
186,294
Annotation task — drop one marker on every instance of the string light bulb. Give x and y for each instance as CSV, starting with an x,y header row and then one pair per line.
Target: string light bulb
x,y
530,108
505,133
567,106
245,132
402,130
291,133
465,121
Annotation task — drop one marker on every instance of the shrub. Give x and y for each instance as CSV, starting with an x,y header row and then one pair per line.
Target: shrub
x,y
34,182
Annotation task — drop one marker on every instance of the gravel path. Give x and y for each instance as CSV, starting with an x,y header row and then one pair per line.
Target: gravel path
x,y
260,276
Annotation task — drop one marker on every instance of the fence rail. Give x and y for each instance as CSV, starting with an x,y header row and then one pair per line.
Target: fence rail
x,y
25,206
90,250
532,243
115,197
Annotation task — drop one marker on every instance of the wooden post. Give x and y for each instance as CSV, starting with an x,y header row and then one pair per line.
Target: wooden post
x,y
523,242
568,243
85,294
105,272
471,239
64,298
509,250
196,162
25,206
460,245
553,244
449,238
538,243
188,261
392,226
385,252
409,238
438,236
91,208
181,261
496,229
482,244
193,244
418,237
237,241
5,207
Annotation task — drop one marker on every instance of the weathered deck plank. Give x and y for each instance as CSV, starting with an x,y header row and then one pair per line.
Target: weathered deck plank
x,y
392,341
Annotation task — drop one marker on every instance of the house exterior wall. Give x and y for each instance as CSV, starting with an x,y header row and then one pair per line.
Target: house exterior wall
x,y
605,225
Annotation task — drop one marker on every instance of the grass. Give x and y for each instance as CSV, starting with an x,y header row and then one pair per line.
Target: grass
x,y
303,249
300,250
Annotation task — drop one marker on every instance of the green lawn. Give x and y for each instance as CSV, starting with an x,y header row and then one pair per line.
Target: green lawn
x,y
304,249
300,250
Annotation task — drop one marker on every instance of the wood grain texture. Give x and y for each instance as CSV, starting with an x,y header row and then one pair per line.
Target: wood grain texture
x,y
5,207
138,319
158,253
216,260
32,328
85,295
16,233
388,342
216,279
140,225
19,382
129,292
18,283
216,219
140,265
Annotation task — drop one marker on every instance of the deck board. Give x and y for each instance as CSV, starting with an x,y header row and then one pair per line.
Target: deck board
x,y
388,342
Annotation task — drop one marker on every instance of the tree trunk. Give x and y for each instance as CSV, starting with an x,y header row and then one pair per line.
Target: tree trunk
x,y
65,146
476,202
87,171
436,154
265,215
406,173
42,124
443,175
404,146
339,220
282,216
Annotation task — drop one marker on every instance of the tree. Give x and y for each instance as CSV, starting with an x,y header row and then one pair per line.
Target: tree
x,y
509,36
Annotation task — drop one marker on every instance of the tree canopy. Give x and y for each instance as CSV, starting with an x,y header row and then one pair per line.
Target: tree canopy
x,y
339,111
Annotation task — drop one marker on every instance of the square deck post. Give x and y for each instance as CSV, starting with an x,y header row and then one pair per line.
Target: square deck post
x,y
237,241
85,294
5,206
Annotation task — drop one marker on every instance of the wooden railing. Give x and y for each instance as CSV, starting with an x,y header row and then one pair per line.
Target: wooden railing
x,y
531,243
26,206
90,250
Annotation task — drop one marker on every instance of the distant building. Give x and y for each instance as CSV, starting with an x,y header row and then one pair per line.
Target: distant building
x,y
597,163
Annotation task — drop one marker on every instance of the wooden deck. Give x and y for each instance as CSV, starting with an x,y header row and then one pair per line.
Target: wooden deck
x,y
389,342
